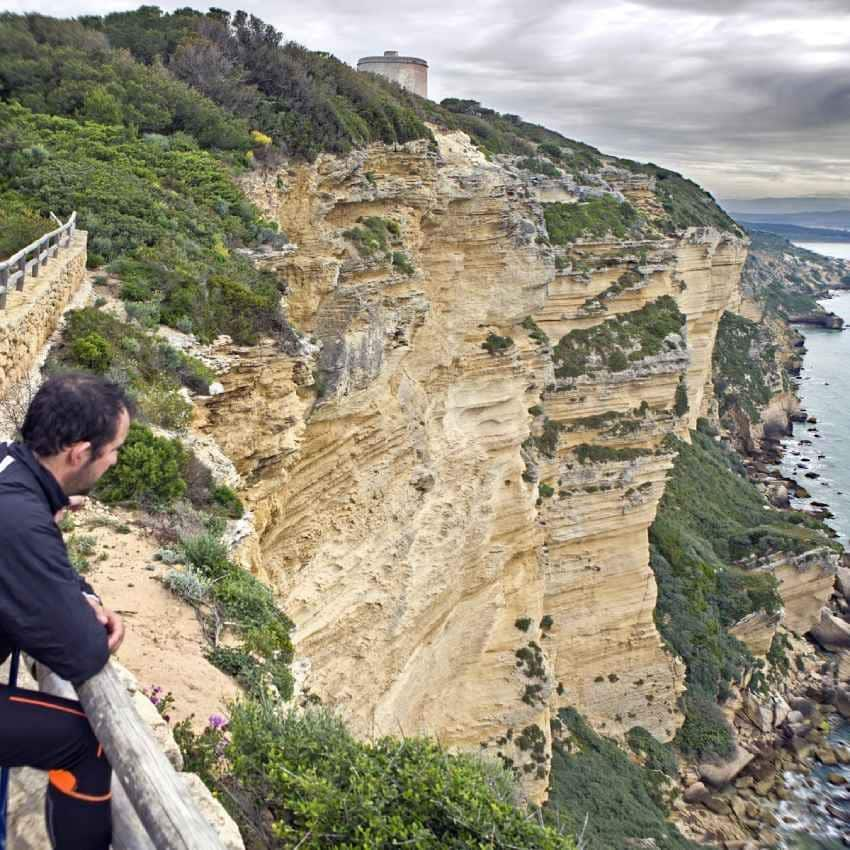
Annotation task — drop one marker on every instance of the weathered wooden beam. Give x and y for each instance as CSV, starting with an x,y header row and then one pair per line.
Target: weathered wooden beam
x,y
169,816
127,830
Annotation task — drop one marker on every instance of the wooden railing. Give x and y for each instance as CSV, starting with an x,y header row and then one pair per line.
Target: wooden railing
x,y
30,260
151,809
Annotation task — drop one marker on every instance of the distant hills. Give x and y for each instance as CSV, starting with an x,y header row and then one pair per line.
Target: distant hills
x,y
812,219
778,206
795,233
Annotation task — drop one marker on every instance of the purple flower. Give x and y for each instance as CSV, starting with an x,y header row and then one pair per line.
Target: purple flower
x,y
217,721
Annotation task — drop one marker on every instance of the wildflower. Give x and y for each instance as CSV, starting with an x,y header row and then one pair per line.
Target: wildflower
x,y
217,722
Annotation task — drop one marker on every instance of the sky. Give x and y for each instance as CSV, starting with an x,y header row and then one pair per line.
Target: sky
x,y
750,98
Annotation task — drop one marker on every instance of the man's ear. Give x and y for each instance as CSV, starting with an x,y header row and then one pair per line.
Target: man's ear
x,y
79,454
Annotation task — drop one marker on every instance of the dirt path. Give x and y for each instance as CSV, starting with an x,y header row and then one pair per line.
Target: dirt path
x,y
164,644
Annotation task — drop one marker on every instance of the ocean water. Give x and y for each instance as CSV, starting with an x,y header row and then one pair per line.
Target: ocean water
x,y
828,249
823,449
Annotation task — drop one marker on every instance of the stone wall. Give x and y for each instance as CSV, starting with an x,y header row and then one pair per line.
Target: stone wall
x,y
32,315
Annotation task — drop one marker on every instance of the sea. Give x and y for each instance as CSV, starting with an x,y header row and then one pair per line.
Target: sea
x,y
824,450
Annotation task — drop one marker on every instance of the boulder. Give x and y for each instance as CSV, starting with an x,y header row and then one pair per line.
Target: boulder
x,y
827,757
781,710
759,713
842,702
842,582
831,632
739,807
806,707
795,716
835,778
695,793
718,775
764,787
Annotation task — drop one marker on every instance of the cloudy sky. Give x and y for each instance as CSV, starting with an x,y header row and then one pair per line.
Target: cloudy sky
x,y
749,97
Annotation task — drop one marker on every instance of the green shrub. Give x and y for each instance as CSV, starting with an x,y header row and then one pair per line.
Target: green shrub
x,y
314,786
595,218
92,352
19,225
148,471
538,166
680,402
228,502
594,782
494,344
705,733
373,237
523,623
207,555
163,405
546,491
657,756
401,262
617,342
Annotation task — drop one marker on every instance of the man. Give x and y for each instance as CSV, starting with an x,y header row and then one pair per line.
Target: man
x,y
70,437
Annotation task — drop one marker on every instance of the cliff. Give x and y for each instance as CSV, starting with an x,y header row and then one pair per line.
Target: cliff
x,y
455,558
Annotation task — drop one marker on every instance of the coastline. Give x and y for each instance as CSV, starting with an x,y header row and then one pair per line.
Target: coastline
x,y
785,789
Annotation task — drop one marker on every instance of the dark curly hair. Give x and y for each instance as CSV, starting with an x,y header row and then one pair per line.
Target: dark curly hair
x,y
74,408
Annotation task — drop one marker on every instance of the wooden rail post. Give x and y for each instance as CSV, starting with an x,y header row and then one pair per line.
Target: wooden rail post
x,y
169,817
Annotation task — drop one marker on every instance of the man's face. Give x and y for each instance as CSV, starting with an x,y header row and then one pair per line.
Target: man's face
x,y
84,477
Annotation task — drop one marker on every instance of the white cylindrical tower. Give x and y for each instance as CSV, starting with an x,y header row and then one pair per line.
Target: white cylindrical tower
x,y
408,71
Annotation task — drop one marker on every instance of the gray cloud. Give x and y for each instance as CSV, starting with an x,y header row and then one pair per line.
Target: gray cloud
x,y
746,96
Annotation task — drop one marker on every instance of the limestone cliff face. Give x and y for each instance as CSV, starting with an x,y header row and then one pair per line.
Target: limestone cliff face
x,y
454,558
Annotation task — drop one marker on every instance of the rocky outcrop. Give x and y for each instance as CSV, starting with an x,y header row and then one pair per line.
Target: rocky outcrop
x,y
831,321
454,559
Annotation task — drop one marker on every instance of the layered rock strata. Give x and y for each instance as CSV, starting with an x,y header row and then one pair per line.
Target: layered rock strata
x,y
454,558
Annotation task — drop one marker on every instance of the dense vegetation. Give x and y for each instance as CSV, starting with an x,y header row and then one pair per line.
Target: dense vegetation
x,y
593,778
710,520
163,212
595,218
619,342
299,779
744,357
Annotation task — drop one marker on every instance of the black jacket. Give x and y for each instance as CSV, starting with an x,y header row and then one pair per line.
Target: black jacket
x,y
42,608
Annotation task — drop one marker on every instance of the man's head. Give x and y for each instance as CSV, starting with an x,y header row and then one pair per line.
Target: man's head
x,y
75,425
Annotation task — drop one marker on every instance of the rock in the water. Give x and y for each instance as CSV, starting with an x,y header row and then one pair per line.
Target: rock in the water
x,y
827,757
835,778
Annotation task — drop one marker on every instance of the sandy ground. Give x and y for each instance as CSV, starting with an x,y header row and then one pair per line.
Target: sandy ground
x,y
164,644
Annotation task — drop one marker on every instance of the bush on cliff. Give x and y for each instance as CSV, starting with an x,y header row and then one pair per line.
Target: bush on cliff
x,y
710,517
593,778
149,369
744,358
148,471
595,218
618,342
300,779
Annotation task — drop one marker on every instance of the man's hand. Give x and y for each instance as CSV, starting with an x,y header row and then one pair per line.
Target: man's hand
x,y
76,503
113,624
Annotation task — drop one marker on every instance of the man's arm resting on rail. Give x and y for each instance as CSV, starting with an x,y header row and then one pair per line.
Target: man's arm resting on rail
x,y
42,609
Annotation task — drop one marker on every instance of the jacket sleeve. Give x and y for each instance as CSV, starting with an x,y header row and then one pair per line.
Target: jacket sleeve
x,y
42,610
